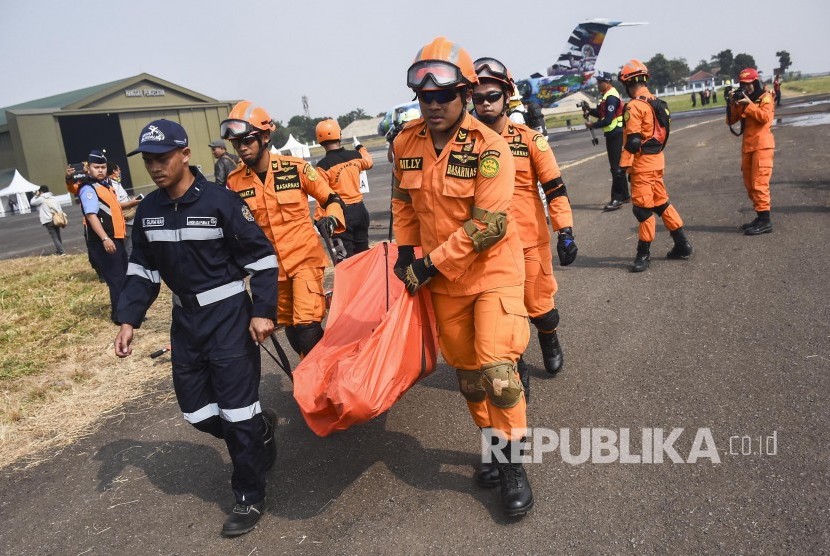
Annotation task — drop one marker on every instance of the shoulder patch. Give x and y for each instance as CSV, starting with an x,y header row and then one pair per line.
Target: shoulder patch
x,y
310,172
246,213
489,167
491,152
541,143
462,134
90,195
275,165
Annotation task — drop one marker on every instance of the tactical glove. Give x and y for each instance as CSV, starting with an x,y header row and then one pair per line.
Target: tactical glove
x,y
418,274
406,255
566,247
327,223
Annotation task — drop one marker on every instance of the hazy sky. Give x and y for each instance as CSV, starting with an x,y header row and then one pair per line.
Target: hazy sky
x,y
354,54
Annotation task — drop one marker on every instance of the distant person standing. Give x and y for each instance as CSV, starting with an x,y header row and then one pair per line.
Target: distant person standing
x,y
714,96
610,114
776,88
341,170
225,162
755,109
128,204
643,156
104,227
694,99
47,206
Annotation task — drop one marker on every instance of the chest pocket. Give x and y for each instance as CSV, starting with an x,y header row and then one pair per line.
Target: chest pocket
x,y
459,183
290,194
411,172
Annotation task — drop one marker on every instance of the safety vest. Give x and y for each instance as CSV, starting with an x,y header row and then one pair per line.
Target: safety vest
x,y
618,120
109,213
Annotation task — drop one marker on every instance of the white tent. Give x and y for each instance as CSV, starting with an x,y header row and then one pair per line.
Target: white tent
x,y
294,147
16,191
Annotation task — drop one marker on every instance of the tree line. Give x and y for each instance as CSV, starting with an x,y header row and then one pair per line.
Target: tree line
x,y
672,73
303,127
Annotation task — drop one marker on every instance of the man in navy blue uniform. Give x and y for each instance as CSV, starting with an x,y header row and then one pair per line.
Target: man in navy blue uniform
x,y
202,241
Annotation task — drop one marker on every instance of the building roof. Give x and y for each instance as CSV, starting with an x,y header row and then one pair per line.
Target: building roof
x,y
75,99
701,76
58,101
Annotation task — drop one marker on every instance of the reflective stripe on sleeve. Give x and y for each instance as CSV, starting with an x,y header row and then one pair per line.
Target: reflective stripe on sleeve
x,y
240,414
134,269
206,412
265,262
185,234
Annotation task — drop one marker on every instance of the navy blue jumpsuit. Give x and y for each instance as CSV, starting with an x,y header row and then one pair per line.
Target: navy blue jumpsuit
x,y
203,245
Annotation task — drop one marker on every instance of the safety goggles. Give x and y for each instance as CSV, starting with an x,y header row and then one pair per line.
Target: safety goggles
x,y
491,97
235,128
442,74
247,140
490,67
442,96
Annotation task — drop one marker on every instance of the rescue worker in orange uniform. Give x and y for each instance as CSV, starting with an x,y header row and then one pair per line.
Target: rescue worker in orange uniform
x,y
341,170
276,189
535,162
643,159
452,190
755,109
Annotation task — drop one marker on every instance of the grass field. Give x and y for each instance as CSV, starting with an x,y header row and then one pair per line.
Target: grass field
x,y
58,371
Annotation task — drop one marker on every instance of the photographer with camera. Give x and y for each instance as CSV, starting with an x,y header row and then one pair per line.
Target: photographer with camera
x,y
754,107
610,119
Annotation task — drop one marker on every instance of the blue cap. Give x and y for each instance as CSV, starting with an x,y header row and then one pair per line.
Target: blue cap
x,y
161,136
96,157
603,76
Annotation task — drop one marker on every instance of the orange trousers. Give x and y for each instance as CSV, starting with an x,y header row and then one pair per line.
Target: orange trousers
x,y
487,327
648,191
300,298
540,283
756,168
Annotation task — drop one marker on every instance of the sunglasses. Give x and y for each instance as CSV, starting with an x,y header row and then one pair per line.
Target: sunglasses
x,y
491,97
442,96
247,140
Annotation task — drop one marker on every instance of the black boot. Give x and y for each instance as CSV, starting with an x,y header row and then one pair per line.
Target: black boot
x,y
682,248
524,376
762,225
516,494
643,258
243,518
551,352
487,475
751,224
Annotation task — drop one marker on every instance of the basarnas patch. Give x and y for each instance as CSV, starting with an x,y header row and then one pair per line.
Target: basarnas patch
x,y
246,213
489,167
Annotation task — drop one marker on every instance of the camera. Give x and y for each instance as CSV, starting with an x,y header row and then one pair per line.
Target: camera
x,y
584,106
733,95
78,172
139,196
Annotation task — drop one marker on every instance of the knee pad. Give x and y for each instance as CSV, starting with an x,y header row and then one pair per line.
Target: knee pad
x,y
658,210
618,173
640,213
547,322
307,336
504,388
471,385
291,334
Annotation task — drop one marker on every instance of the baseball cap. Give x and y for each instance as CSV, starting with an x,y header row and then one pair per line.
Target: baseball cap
x,y
603,76
218,143
96,157
161,136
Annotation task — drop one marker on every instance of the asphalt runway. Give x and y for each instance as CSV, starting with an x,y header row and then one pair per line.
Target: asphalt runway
x,y
732,347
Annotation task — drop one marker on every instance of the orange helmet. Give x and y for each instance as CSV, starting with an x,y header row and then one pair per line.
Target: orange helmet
x,y
490,68
634,71
328,130
748,75
441,64
245,119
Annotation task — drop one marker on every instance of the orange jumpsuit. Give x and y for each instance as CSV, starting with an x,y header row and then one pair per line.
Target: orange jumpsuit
x,y
757,148
477,296
280,207
648,192
535,162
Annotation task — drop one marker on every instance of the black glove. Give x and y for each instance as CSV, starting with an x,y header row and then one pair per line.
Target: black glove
x,y
358,147
327,223
418,274
566,247
406,255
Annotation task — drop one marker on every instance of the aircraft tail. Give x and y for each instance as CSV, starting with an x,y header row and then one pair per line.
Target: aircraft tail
x,y
583,46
